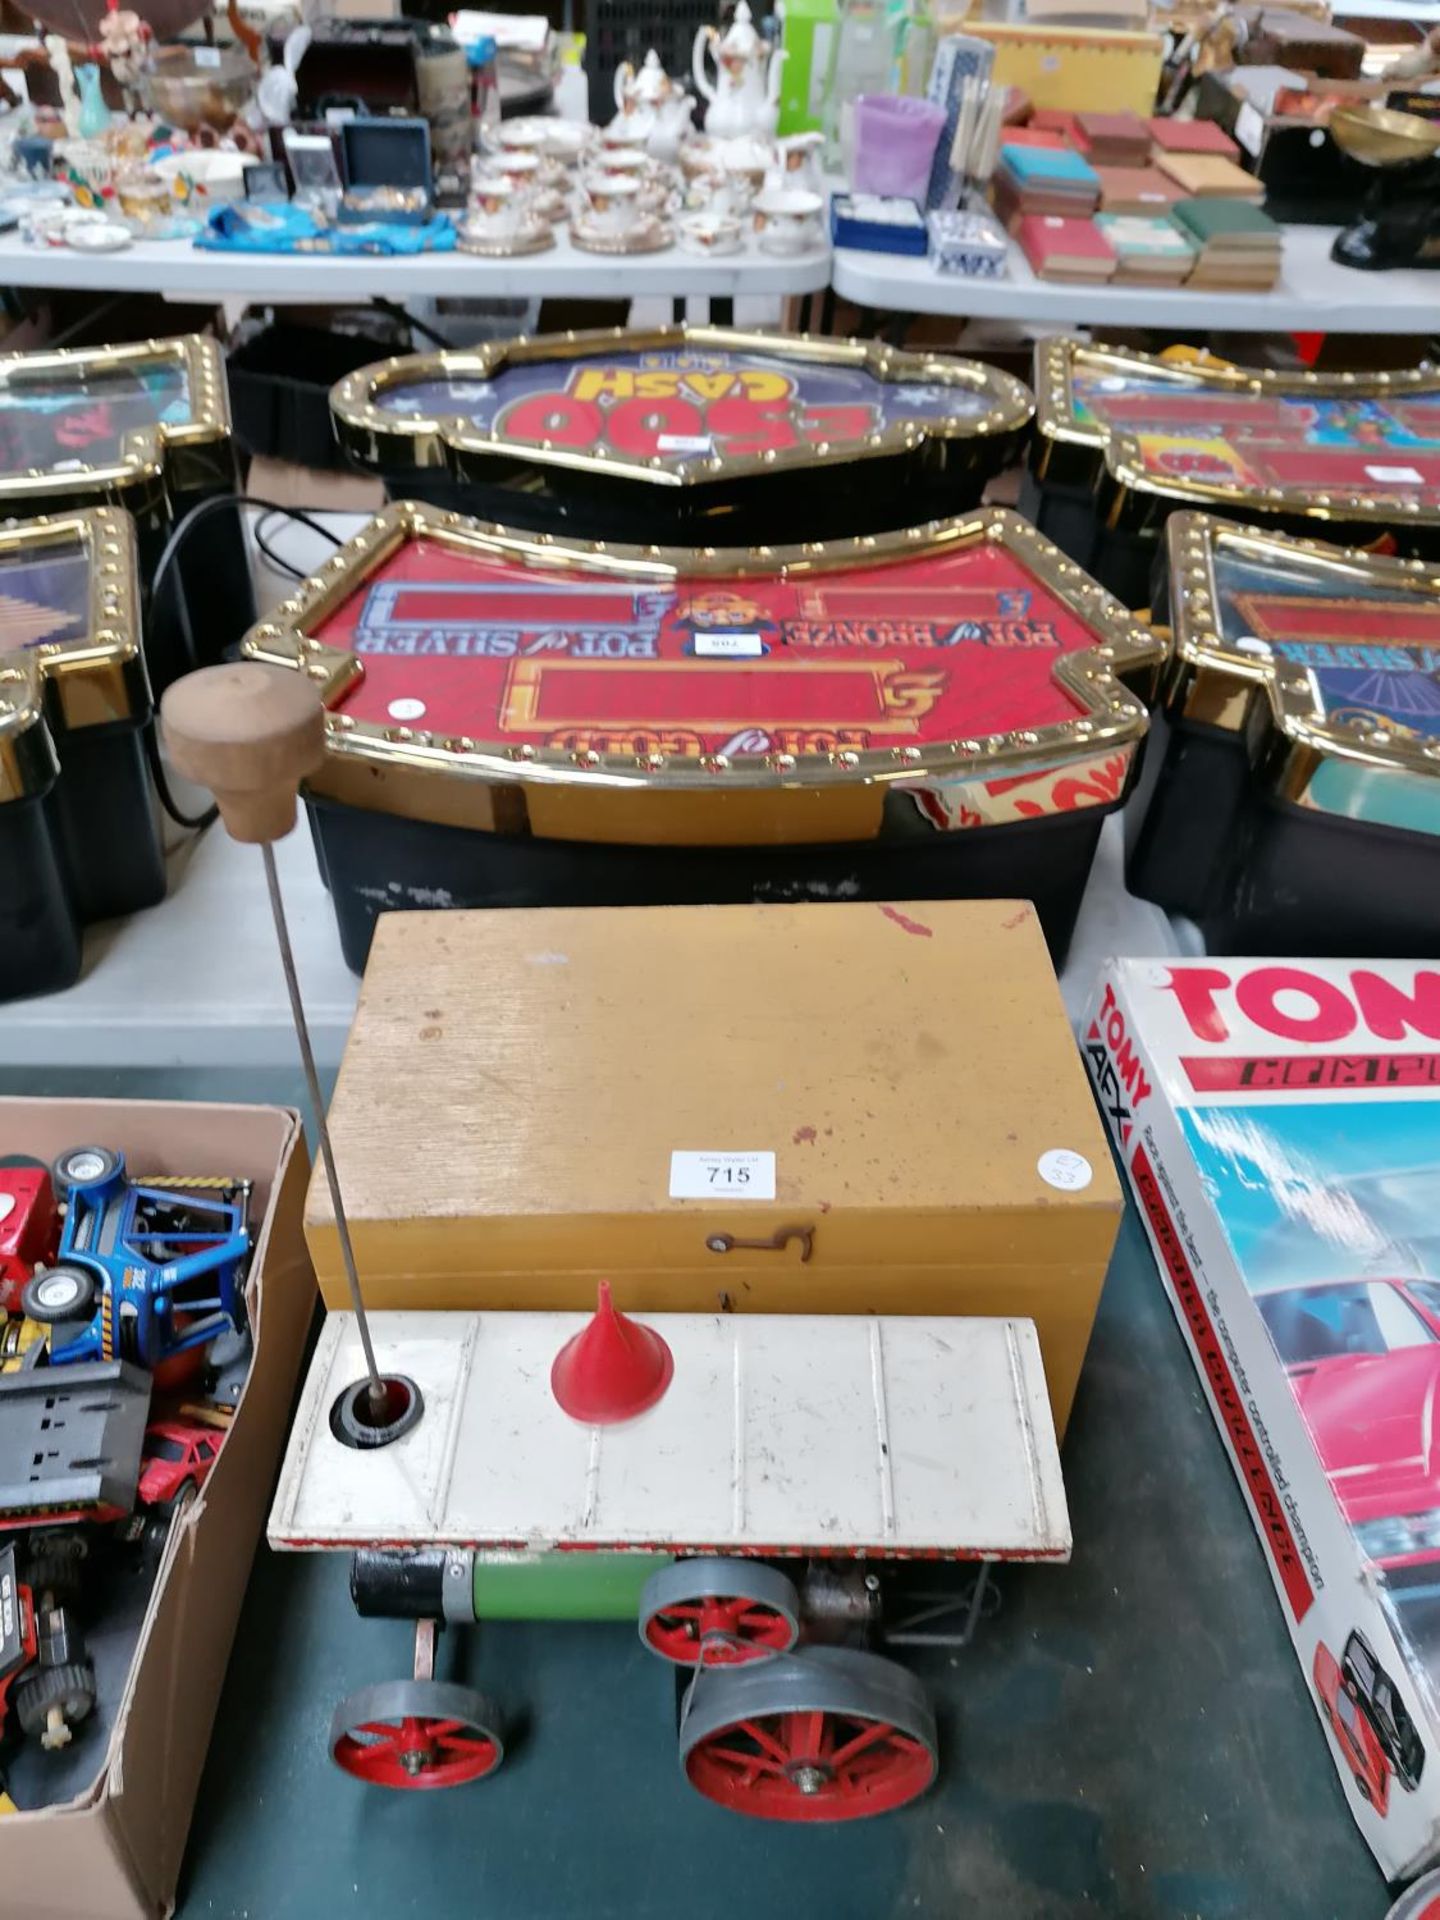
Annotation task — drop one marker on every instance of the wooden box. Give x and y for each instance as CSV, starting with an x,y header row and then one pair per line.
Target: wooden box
x,y
890,1094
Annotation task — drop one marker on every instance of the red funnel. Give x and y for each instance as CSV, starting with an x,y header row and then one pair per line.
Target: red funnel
x,y
612,1369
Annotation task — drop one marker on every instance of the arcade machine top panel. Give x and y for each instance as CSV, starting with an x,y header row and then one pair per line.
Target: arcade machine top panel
x,y
676,406
966,648
1347,646
1364,444
69,616
76,421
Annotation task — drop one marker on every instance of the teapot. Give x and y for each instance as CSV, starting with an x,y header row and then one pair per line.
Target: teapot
x,y
654,110
746,96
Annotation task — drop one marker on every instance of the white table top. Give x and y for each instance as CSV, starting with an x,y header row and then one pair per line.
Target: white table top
x,y
176,269
1313,295
821,1434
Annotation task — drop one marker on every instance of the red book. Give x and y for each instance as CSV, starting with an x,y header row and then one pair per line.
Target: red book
x,y
1192,136
1054,121
1123,138
1061,249
1033,137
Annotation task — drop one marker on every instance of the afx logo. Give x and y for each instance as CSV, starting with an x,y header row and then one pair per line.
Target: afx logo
x,y
1294,1003
1115,1067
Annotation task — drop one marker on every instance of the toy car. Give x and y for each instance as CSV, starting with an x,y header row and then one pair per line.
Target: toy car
x,y
1369,1720
44,1669
1363,1360
29,1228
142,1273
175,1460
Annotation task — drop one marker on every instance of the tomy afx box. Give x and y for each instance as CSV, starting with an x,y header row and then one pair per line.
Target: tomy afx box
x,y
1279,1123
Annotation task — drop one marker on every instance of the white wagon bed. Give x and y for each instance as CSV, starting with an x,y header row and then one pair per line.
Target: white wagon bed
x,y
778,1434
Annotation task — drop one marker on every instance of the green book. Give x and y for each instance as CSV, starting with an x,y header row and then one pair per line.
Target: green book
x,y
1233,223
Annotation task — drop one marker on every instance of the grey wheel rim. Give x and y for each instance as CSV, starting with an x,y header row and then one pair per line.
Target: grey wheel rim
x,y
831,1680
397,1700
686,1582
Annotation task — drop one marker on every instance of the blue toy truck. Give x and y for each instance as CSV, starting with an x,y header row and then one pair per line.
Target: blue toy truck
x,y
142,1273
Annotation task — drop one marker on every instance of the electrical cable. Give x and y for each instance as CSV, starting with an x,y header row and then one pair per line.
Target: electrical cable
x,y
168,561
191,822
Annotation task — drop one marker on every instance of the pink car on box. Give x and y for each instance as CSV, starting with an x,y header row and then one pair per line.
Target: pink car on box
x,y
1363,1360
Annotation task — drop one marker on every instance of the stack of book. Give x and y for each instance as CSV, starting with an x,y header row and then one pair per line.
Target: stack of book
x,y
1151,252
1136,190
1062,249
1207,176
1044,180
1193,136
1238,245
1113,139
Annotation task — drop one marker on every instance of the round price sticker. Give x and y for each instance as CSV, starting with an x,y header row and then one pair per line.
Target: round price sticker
x,y
1063,1168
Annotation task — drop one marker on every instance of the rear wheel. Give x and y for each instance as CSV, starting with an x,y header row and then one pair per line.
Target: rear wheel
x,y
824,1734
68,1689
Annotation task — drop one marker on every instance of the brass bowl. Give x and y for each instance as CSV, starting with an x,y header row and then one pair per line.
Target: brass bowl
x,y
1380,137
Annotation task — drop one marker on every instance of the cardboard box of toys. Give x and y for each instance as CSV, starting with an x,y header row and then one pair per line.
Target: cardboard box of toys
x,y
167,1295
1279,1123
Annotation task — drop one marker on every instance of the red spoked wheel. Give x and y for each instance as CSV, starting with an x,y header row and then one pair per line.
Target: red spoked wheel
x,y
416,1734
718,1612
823,1734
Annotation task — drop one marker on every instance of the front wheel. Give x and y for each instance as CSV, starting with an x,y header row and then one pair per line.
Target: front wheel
x,y
85,1167
416,1734
59,1294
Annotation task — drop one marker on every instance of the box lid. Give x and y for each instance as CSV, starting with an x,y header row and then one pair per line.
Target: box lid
x,y
516,1083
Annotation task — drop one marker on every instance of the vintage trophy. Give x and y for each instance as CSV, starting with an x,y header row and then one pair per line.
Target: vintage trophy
x,y
1399,225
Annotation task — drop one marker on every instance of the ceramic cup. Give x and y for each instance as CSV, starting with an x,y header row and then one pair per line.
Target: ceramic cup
x,y
624,136
633,162
788,219
719,194
746,176
710,234
497,211
566,140
614,203
800,160
519,136
524,169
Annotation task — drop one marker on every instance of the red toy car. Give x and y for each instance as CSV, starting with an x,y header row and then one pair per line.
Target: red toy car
x,y
1363,1360
29,1229
1353,1732
176,1457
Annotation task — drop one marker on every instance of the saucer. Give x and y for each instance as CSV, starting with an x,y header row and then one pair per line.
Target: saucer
x,y
534,237
648,235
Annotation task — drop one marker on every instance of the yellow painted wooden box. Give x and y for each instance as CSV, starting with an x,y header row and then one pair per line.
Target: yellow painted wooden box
x,y
516,1084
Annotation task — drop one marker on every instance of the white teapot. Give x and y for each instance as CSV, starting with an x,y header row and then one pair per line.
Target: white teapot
x,y
653,109
746,98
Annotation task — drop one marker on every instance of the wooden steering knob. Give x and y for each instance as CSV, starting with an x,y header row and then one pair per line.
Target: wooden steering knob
x,y
250,734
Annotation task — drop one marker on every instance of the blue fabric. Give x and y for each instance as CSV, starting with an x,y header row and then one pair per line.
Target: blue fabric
x,y
281,229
